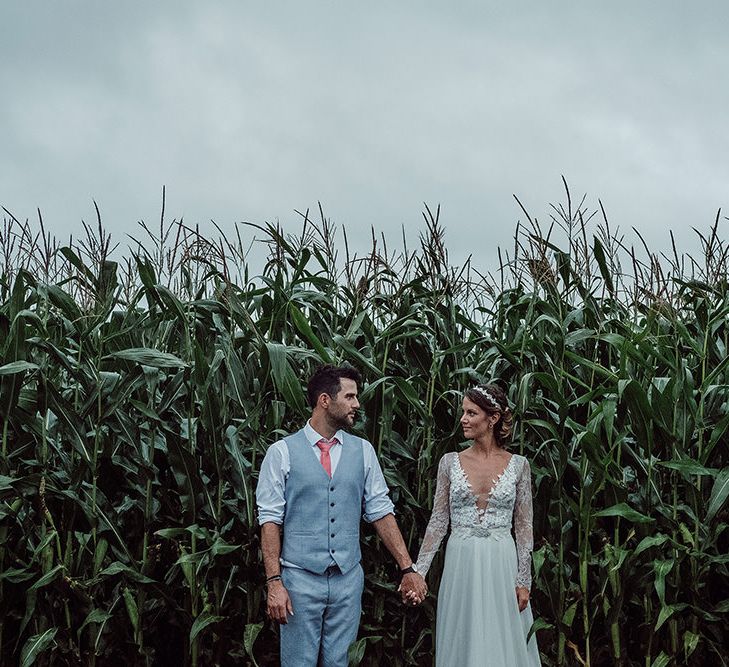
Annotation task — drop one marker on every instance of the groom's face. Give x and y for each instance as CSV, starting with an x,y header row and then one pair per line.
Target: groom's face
x,y
342,409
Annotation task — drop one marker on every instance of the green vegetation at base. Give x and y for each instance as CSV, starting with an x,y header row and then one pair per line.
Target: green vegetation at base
x,y
137,400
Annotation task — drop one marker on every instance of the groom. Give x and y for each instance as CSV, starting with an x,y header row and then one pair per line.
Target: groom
x,y
316,485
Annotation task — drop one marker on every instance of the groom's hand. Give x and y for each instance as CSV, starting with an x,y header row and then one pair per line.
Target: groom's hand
x,y
413,588
278,604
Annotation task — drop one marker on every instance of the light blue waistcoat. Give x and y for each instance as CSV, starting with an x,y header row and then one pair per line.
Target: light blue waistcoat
x,y
322,516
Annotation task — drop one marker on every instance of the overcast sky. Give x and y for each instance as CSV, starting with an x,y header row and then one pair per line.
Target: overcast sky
x,y
252,110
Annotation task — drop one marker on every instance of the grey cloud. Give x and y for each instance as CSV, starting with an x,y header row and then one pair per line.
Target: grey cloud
x,y
248,111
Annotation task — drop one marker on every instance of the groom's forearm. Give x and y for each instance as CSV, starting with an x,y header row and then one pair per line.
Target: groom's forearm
x,y
391,537
271,548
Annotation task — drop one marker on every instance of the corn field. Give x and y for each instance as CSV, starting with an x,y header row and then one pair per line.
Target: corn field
x,y
138,396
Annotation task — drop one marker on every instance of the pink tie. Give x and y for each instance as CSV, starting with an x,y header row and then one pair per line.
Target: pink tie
x,y
325,445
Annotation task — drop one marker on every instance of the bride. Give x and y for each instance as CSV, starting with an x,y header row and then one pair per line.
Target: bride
x,y
483,615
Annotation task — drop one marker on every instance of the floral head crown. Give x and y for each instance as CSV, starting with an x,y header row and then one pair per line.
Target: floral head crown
x,y
488,396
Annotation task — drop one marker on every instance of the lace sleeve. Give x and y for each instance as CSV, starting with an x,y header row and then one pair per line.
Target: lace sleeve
x,y
523,532
439,518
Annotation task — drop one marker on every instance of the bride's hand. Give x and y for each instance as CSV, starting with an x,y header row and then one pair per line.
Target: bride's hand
x,y
522,597
411,598
413,589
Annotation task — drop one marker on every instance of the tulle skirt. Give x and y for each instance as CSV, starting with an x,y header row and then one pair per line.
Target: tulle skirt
x,y
478,618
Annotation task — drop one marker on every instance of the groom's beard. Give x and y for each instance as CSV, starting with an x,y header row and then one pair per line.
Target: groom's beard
x,y
345,421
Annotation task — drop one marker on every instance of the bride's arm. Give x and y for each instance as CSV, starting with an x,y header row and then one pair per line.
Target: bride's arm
x,y
439,519
523,532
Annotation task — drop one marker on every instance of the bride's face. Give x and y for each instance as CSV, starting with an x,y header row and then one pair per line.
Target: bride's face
x,y
475,421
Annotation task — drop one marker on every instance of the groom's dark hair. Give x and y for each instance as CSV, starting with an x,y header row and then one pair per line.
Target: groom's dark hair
x,y
326,380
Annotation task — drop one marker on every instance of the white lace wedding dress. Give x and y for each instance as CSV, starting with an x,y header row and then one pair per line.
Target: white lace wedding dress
x,y
478,619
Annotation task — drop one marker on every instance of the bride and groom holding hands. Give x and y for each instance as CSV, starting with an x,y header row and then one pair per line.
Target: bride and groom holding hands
x,y
317,484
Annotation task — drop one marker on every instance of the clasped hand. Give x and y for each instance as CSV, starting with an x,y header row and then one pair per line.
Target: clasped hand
x,y
413,589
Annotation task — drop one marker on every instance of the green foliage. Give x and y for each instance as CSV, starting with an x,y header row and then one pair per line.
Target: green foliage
x,y
137,401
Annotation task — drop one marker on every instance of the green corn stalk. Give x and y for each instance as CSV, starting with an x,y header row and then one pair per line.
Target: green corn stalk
x,y
562,327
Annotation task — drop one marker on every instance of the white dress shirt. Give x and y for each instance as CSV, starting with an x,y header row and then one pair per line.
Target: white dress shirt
x,y
270,491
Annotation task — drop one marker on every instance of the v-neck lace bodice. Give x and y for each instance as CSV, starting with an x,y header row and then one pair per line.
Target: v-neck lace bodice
x,y
455,504
481,500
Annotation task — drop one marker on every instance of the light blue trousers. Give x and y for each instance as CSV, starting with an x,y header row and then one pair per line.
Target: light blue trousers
x,y
327,609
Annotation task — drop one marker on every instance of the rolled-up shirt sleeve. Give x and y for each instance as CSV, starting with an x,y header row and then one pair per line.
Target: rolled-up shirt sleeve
x,y
376,502
270,497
